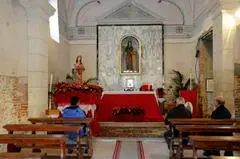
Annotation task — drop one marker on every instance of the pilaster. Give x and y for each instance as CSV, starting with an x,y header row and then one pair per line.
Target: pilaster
x,y
224,32
38,12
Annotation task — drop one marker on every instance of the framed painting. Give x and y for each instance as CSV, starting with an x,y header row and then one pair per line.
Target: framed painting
x,y
130,55
209,85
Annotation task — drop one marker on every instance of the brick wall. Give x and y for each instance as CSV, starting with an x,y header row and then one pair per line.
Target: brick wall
x,y
237,95
202,72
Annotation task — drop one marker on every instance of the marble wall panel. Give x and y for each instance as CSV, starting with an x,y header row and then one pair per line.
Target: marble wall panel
x,y
109,38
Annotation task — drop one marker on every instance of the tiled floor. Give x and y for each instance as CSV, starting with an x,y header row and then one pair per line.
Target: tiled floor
x,y
153,148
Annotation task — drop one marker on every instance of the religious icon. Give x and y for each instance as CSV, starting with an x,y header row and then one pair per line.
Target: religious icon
x,y
130,55
79,69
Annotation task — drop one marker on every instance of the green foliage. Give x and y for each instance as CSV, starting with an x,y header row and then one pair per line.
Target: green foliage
x,y
177,82
91,80
69,77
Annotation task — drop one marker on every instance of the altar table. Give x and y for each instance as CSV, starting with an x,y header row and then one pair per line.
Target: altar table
x,y
145,100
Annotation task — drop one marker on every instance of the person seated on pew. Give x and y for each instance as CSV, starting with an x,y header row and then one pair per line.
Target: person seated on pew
x,y
220,112
179,111
74,111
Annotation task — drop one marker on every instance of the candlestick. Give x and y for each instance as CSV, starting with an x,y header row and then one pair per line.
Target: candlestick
x,y
51,80
190,81
50,103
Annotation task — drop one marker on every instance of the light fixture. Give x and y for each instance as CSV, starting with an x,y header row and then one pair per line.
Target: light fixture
x,y
229,21
99,2
237,13
159,1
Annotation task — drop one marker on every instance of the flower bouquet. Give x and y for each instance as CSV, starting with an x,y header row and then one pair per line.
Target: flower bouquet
x,y
128,114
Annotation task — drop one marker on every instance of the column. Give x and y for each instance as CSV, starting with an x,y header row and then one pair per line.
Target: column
x,y
224,32
38,33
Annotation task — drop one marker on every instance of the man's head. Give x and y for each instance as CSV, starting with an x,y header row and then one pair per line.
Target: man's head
x,y
219,100
180,100
74,100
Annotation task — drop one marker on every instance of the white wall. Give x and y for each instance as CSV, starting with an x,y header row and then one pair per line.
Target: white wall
x,y
13,39
179,56
58,60
88,53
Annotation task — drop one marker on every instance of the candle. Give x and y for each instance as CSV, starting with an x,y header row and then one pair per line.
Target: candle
x,y
51,80
50,103
190,81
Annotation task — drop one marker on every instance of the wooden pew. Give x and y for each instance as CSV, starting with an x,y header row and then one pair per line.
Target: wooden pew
x,y
6,155
225,157
203,121
72,121
215,142
203,129
60,120
195,121
11,128
60,140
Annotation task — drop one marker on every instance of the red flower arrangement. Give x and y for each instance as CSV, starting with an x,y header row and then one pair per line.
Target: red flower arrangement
x,y
128,113
126,110
65,87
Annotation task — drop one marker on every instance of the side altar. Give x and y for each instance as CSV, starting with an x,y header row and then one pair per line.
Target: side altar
x,y
89,95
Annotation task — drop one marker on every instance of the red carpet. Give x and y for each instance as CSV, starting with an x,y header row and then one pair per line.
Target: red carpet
x,y
117,149
128,149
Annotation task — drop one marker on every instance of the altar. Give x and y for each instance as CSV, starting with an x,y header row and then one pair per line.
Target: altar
x,y
145,101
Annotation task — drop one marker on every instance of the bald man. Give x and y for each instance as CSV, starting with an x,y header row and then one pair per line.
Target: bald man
x,y
221,112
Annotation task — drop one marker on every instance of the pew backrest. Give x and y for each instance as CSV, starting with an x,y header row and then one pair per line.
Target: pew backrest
x,y
60,120
42,127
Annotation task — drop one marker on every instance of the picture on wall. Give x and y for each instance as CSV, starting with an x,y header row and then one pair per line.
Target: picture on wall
x,y
130,53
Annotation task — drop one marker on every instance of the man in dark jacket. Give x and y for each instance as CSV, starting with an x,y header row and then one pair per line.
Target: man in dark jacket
x,y
177,112
221,112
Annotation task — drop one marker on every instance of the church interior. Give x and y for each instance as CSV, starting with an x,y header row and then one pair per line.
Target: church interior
x,y
119,79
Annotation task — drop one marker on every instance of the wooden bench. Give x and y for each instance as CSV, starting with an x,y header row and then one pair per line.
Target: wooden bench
x,y
6,155
71,121
60,120
196,129
59,140
195,121
215,142
203,121
11,128
224,157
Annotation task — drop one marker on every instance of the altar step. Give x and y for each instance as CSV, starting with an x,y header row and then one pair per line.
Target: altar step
x,y
132,129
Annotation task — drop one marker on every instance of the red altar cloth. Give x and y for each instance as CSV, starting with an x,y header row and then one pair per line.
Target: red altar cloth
x,y
191,96
63,98
145,100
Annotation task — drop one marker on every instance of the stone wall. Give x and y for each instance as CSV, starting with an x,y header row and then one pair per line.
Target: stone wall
x,y
13,101
237,95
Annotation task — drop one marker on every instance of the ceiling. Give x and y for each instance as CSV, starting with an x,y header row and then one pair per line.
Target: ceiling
x,y
86,12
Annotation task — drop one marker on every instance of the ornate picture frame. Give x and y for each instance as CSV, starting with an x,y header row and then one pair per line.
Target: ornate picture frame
x,y
130,55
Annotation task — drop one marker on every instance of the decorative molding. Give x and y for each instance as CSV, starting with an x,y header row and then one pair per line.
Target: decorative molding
x,y
83,42
90,2
179,9
170,32
129,12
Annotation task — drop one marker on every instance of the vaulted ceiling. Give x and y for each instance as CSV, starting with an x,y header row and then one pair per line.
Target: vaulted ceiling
x,y
179,16
86,12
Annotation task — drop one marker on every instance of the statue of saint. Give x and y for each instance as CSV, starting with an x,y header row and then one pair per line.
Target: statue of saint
x,y
130,57
79,69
